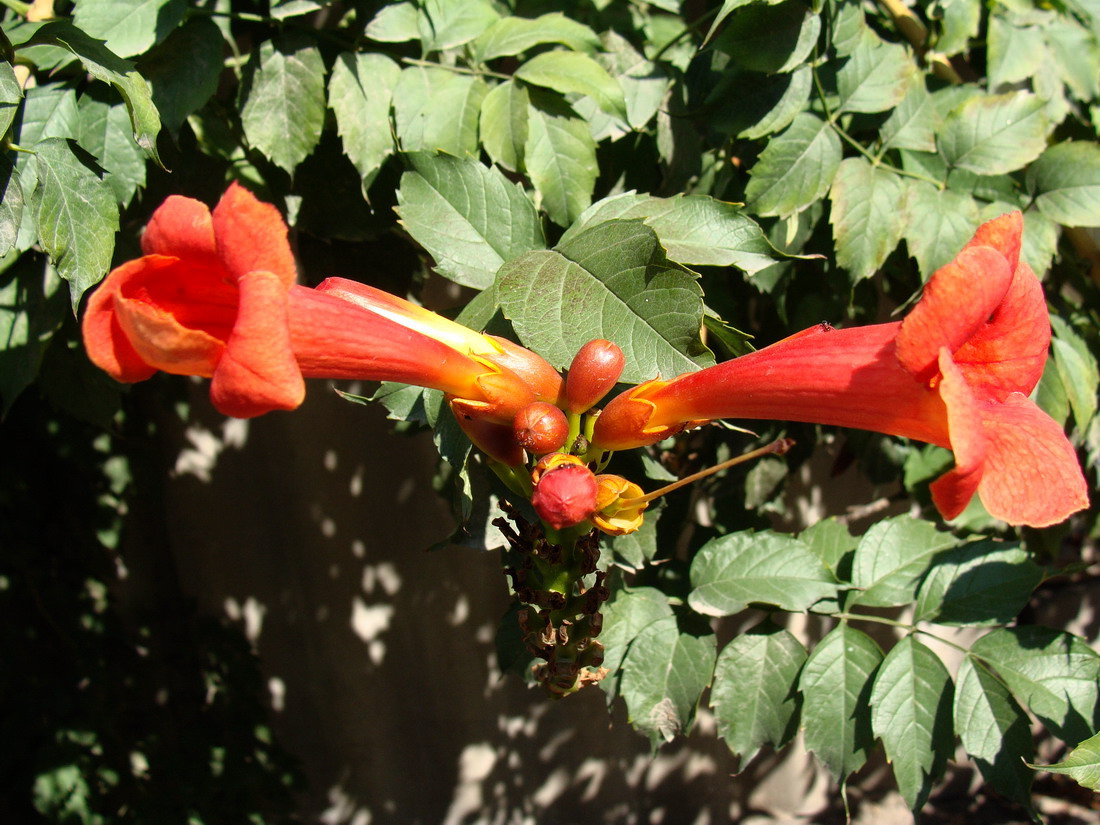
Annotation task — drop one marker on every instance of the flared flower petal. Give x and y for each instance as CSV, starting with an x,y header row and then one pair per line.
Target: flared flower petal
x,y
954,373
181,227
251,236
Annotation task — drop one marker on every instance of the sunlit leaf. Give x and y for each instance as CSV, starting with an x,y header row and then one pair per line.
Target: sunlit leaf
x,y
105,132
867,223
978,583
468,216
445,24
994,730
514,35
1082,763
611,281
731,572
754,696
129,27
665,671
1054,674
437,111
911,713
940,222
913,124
795,169
574,72
892,558
503,124
1066,180
994,134
836,688
360,92
560,157
876,77
628,613
283,102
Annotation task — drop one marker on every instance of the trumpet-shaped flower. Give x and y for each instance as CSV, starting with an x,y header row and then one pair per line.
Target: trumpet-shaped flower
x,y
214,296
955,372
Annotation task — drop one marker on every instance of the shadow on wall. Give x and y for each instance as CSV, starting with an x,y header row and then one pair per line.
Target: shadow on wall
x,y
309,530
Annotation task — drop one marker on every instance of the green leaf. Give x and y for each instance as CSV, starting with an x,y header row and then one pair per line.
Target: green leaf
x,y
468,216
773,103
129,27
1066,180
911,713
1077,370
994,134
940,222
892,558
961,20
445,24
913,124
1076,53
360,91
665,671
560,157
437,111
836,689
994,730
285,9
577,73
795,169
611,281
633,550
876,77
397,23
11,206
1013,53
728,7
105,132
77,217
1082,763
770,38
754,694
108,67
628,613
645,84
733,571
48,112
978,583
31,310
1054,674
503,123
696,230
516,35
11,95
831,542
283,101
867,223
183,71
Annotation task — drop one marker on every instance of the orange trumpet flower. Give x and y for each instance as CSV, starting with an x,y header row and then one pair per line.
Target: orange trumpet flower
x,y
214,296
955,372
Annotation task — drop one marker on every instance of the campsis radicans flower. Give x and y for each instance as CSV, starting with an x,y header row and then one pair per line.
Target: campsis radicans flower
x,y
564,491
955,372
214,295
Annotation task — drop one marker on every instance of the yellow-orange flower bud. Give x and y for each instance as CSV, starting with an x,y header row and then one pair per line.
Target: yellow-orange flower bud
x,y
619,507
540,428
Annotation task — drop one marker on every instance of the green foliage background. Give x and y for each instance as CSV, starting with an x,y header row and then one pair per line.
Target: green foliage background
x,y
672,174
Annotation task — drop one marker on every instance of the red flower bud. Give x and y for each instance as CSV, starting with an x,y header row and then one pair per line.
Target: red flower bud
x,y
565,496
540,428
595,369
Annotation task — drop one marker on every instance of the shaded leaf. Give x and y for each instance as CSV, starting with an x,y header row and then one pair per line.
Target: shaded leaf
x,y
770,38
911,713
11,95
283,102
468,216
1054,674
665,672
31,310
978,583
105,132
731,572
611,281
633,550
994,730
1077,370
628,613
913,124
754,694
644,83
11,206
832,543
795,169
183,71
836,689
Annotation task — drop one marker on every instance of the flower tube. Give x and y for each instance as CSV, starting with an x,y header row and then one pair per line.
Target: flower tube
x,y
214,296
956,373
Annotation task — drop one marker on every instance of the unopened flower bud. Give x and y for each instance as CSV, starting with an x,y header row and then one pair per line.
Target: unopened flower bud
x,y
595,369
565,496
540,428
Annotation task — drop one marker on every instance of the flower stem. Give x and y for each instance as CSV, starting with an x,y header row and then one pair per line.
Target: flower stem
x,y
777,447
